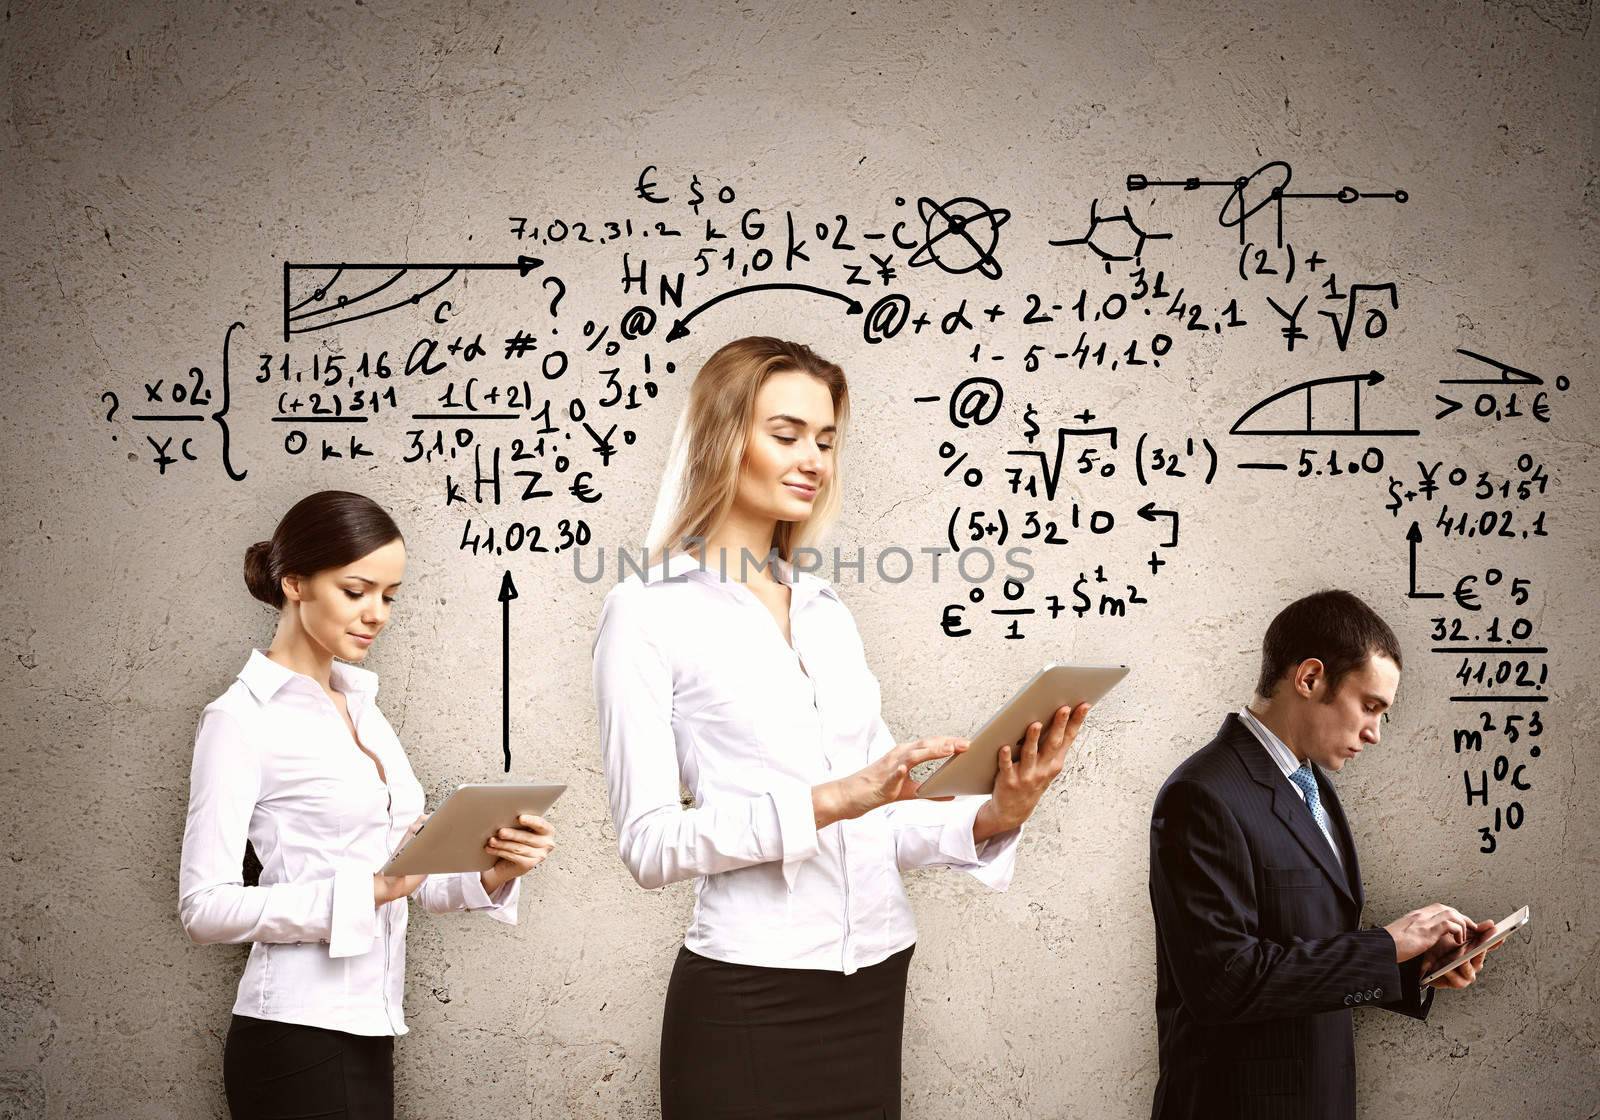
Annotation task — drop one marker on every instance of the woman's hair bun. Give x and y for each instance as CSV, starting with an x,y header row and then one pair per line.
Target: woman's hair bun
x,y
259,576
328,529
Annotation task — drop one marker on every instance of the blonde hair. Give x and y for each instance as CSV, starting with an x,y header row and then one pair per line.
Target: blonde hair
x,y
713,432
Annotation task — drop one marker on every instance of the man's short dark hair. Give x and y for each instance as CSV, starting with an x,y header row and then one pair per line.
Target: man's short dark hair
x,y
1335,627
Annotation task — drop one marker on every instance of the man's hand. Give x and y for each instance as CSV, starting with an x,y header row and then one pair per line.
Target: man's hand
x,y
1427,928
1467,971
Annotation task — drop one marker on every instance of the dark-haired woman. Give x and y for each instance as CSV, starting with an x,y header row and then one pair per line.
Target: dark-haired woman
x,y
296,757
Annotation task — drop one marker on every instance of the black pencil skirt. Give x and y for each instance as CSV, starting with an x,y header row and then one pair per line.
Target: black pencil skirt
x,y
275,1071
740,1042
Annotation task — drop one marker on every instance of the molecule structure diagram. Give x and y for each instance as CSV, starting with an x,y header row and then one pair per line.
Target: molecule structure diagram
x,y
1117,238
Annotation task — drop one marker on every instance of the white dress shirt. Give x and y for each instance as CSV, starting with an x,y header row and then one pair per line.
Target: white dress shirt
x,y
274,761
696,688
1288,763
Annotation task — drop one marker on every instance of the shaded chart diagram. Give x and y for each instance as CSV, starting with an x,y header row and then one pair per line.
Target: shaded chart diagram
x,y
960,235
319,296
1323,406
1113,244
1267,185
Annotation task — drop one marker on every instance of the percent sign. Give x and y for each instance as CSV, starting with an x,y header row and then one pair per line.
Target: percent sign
x,y
972,476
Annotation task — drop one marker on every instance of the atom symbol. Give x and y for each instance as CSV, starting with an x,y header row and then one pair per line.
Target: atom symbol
x,y
970,233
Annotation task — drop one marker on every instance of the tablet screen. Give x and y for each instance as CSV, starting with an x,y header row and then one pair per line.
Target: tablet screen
x,y
1478,945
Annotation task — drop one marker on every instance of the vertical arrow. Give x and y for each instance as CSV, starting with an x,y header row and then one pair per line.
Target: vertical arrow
x,y
1414,537
508,592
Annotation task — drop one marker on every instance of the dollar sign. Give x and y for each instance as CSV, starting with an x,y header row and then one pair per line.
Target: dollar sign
x,y
695,197
1032,429
1081,607
1393,505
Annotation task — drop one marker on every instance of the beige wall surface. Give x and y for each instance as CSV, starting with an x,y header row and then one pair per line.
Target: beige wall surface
x,y
173,168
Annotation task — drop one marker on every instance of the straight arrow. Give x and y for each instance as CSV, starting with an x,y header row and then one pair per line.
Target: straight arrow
x,y
1414,537
508,592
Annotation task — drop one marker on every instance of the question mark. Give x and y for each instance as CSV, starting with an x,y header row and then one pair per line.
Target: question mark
x,y
562,290
113,412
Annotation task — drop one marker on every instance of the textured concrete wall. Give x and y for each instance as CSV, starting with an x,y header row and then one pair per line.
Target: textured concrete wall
x,y
164,160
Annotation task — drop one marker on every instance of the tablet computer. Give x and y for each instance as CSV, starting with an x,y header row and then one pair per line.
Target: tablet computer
x,y
453,838
974,770
1488,940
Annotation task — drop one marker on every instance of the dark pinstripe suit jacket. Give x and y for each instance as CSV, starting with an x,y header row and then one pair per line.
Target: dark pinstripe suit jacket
x,y
1259,952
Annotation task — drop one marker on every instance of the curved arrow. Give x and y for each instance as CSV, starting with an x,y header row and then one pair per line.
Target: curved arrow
x,y
680,327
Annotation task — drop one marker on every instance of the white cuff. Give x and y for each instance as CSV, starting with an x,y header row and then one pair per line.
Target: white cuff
x,y
354,918
501,906
992,863
797,827
473,896
955,839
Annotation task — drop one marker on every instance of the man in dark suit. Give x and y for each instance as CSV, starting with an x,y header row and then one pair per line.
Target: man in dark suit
x,y
1260,954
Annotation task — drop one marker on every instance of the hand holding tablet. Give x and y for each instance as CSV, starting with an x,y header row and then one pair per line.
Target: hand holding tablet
x,y
456,836
1475,948
975,770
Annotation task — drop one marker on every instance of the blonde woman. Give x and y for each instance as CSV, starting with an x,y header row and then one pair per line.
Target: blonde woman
x,y
751,690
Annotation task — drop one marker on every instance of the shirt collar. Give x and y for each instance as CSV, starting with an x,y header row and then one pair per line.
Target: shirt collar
x,y
804,585
264,677
1276,747
681,566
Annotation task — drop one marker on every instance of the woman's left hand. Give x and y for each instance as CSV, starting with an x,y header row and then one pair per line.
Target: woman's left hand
x,y
1019,785
518,850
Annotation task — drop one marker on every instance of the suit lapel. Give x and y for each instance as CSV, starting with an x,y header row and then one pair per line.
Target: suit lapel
x,y
1341,825
1287,804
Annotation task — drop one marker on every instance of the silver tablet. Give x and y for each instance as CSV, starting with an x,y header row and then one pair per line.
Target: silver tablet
x,y
1477,945
453,838
974,771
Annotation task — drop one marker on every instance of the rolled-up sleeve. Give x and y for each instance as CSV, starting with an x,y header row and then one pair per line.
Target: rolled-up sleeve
x,y
658,839
939,833
446,894
213,902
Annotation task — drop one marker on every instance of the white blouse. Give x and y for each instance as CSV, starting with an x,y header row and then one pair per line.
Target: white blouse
x,y
274,761
696,688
